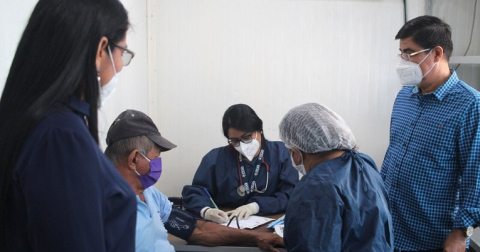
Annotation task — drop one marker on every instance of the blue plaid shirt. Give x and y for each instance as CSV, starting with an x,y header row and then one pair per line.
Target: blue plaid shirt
x,y
432,166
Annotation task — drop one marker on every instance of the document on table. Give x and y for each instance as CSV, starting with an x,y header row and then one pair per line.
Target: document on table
x,y
252,222
279,229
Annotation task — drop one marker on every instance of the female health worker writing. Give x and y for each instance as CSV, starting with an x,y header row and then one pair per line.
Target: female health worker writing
x,y
251,174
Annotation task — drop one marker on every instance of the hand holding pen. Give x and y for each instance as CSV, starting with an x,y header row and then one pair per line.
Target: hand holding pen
x,y
213,214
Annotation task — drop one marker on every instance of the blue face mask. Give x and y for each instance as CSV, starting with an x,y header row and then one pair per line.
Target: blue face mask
x,y
153,175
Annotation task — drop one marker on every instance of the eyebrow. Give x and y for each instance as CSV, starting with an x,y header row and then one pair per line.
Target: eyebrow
x,y
406,50
244,134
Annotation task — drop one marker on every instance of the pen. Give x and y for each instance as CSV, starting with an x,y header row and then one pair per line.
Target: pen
x,y
279,221
213,202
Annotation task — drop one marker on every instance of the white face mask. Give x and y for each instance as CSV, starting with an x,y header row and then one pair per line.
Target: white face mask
x,y
107,90
410,73
300,168
249,149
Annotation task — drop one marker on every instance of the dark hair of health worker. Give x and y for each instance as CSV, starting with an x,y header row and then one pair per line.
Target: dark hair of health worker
x,y
243,118
55,59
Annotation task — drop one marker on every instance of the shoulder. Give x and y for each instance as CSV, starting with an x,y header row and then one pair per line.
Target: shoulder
x,y
367,159
159,197
154,192
276,147
405,91
403,96
338,170
464,100
315,185
220,152
61,124
62,134
463,89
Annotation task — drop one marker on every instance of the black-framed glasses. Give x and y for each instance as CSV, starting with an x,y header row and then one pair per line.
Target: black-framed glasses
x,y
127,55
236,218
246,138
406,56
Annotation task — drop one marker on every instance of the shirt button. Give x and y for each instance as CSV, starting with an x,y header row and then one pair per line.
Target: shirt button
x,y
404,144
412,124
397,165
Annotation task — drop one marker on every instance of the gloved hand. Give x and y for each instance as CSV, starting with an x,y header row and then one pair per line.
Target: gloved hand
x,y
215,215
243,212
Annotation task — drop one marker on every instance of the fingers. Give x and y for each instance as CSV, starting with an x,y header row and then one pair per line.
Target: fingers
x,y
223,216
237,212
247,214
268,241
231,213
217,216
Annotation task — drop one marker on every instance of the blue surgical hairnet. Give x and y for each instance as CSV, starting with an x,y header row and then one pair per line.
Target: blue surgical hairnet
x,y
315,128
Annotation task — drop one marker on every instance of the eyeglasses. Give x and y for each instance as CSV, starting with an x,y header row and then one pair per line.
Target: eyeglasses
x,y
406,56
246,138
127,55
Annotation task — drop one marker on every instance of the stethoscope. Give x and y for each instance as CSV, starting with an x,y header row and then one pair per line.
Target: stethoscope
x,y
243,187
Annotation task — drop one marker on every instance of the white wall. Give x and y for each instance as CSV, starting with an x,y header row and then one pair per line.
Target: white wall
x,y
13,19
271,55
196,58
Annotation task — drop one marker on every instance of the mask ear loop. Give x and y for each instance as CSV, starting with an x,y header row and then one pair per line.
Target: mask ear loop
x,y
434,64
301,156
145,158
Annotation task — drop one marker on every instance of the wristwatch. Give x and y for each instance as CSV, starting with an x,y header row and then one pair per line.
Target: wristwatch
x,y
468,231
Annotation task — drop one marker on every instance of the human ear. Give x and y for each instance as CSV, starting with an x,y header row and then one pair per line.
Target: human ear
x,y
296,156
132,159
101,52
438,53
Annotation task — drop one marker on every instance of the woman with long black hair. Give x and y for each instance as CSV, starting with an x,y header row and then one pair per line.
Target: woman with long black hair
x,y
58,192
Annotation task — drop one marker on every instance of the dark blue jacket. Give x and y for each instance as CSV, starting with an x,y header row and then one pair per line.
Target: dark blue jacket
x,y
219,174
67,196
340,206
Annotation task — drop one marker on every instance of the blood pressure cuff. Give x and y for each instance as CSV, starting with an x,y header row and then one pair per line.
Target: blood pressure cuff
x,y
181,223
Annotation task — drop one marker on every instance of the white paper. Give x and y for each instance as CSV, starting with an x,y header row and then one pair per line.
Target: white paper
x,y
279,230
252,222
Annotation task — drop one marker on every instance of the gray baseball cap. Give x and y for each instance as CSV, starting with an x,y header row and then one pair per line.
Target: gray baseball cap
x,y
132,123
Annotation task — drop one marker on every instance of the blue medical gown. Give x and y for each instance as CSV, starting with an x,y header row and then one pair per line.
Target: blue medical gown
x,y
219,174
340,205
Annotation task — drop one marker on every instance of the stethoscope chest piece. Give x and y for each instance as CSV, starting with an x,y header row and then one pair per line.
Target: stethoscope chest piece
x,y
241,190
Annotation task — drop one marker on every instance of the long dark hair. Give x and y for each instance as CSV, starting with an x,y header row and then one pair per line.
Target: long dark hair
x,y
242,117
55,60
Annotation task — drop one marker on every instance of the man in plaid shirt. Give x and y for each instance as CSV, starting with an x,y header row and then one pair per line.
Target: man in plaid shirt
x,y
432,166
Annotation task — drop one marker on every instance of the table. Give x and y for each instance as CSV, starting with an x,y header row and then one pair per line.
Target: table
x,y
182,246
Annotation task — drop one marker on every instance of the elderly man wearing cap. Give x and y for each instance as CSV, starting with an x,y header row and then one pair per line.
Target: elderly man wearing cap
x,y
340,203
134,147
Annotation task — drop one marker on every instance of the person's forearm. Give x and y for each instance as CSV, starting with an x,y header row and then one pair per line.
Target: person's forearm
x,y
211,234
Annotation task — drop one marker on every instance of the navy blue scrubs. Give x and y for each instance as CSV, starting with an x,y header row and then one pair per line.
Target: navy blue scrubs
x,y
341,206
219,174
66,194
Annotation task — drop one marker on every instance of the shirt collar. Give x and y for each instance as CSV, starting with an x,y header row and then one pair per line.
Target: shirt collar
x,y
441,91
79,106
